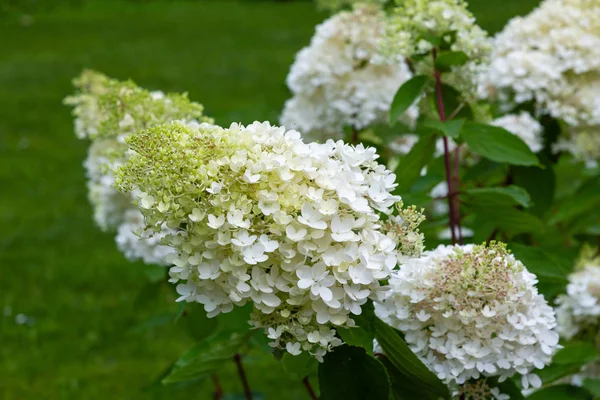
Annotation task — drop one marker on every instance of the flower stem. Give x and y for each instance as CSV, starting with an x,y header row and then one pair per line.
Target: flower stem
x,y
238,361
309,388
218,393
452,171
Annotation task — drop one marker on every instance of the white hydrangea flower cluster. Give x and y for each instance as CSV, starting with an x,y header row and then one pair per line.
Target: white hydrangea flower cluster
x,y
551,56
582,142
107,111
293,228
414,23
470,312
579,309
524,126
339,80
138,243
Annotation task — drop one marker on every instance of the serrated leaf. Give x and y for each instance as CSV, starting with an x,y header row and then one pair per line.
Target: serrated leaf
x,y
497,144
448,59
206,357
449,128
410,166
507,195
349,373
407,363
406,95
576,353
561,392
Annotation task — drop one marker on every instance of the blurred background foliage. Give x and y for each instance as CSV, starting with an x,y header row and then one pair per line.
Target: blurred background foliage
x,y
77,321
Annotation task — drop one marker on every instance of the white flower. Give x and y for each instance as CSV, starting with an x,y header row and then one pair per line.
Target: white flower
x,y
551,56
136,243
306,267
339,80
107,112
579,308
470,312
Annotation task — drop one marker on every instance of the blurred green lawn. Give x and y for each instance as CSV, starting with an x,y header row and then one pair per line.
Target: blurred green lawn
x,y
77,293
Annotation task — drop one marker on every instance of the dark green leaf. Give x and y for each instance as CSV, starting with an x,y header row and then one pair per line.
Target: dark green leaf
x,y
551,272
507,195
402,387
449,128
155,274
409,168
206,357
349,373
497,144
510,220
585,199
407,363
540,183
593,386
446,60
301,365
406,95
576,352
363,334
561,392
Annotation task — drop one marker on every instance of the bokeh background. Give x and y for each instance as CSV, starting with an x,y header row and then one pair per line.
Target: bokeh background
x,y
77,321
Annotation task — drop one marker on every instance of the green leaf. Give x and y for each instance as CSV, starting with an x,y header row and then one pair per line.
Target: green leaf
x,y
299,366
584,200
449,128
550,271
407,363
446,60
576,352
194,321
593,386
406,95
561,392
410,166
402,386
497,144
510,220
349,373
508,195
540,183
554,372
363,333
207,356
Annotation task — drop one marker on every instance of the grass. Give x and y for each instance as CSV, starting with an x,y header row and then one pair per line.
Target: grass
x,y
76,293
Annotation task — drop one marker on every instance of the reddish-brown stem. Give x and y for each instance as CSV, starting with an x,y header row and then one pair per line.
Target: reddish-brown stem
x,y
452,178
309,388
238,361
456,183
218,393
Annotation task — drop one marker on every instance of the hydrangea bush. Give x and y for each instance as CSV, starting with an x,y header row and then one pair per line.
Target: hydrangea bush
x,y
490,143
